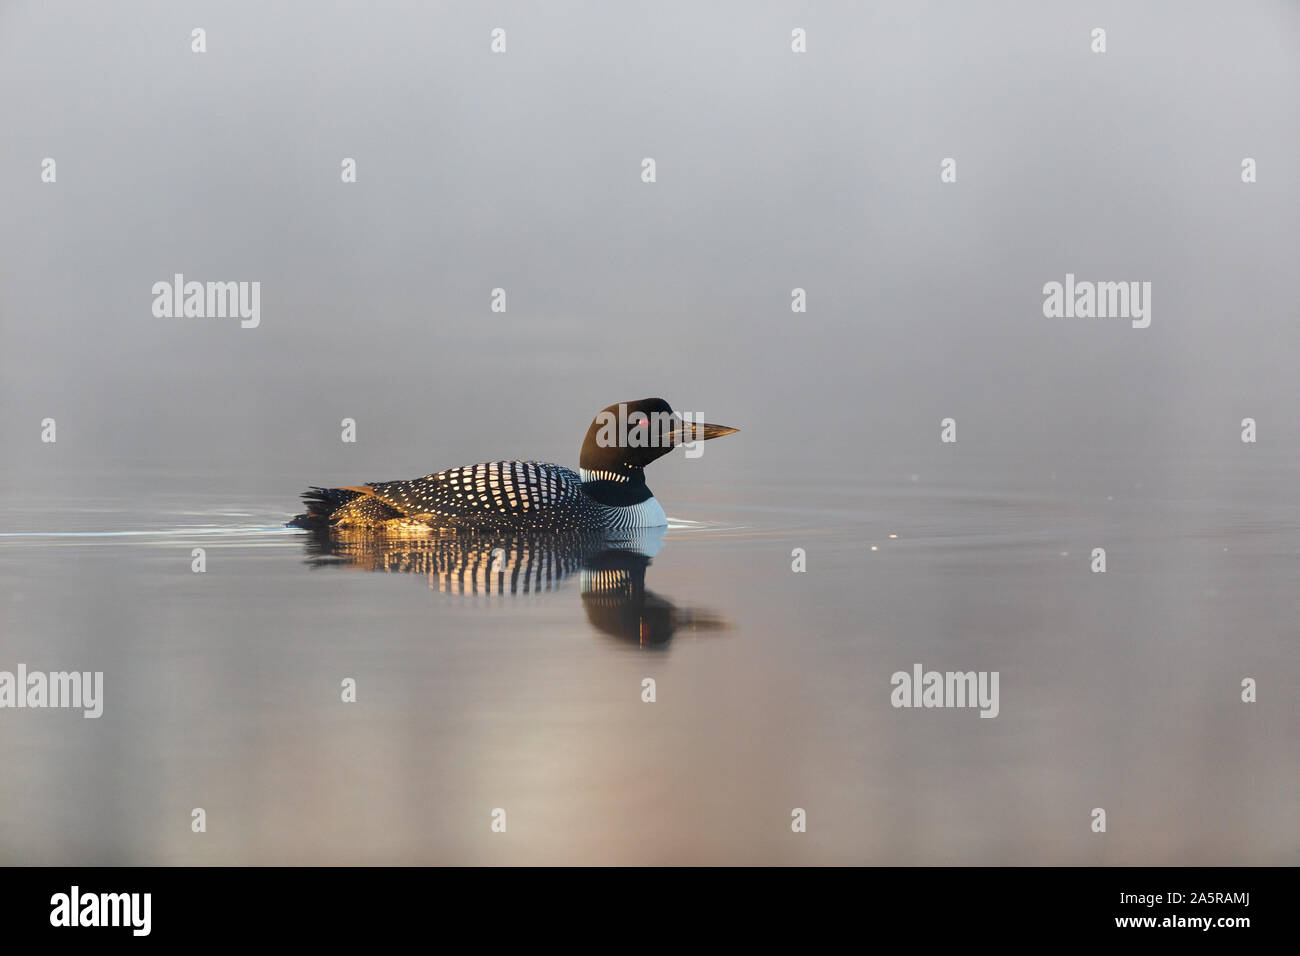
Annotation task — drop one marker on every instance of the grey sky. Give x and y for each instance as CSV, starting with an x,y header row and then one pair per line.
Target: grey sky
x,y
521,171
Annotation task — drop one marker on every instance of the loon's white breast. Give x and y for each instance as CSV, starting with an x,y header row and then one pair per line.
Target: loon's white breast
x,y
647,514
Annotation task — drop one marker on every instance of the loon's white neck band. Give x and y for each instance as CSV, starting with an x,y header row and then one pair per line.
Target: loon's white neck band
x,y
587,475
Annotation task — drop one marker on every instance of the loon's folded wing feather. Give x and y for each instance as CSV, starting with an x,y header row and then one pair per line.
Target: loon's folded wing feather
x,y
500,487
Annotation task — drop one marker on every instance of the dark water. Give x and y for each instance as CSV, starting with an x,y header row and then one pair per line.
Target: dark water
x,y
1118,690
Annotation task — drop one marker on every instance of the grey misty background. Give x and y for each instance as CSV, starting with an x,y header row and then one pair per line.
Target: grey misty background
x,y
522,171
775,171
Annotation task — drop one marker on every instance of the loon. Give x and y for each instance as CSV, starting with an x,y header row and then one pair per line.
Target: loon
x,y
608,492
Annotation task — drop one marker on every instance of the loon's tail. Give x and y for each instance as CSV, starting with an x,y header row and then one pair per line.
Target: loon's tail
x,y
321,505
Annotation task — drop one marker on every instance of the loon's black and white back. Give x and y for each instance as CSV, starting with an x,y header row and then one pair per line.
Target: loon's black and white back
x,y
607,492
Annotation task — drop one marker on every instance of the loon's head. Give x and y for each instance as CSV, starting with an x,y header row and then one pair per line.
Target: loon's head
x,y
627,436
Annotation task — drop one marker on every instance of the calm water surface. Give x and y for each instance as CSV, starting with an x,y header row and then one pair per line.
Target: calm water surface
x,y
776,172
223,688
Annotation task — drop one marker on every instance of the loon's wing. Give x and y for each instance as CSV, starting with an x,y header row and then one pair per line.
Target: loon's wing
x,y
522,488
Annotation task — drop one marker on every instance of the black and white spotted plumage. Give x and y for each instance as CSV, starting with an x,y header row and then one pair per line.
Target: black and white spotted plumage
x,y
490,496
526,496
496,496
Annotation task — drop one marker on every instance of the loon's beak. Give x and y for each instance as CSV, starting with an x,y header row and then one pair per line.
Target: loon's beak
x,y
688,432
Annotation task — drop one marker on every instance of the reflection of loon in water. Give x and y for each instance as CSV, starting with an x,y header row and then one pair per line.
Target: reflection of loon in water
x,y
611,570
